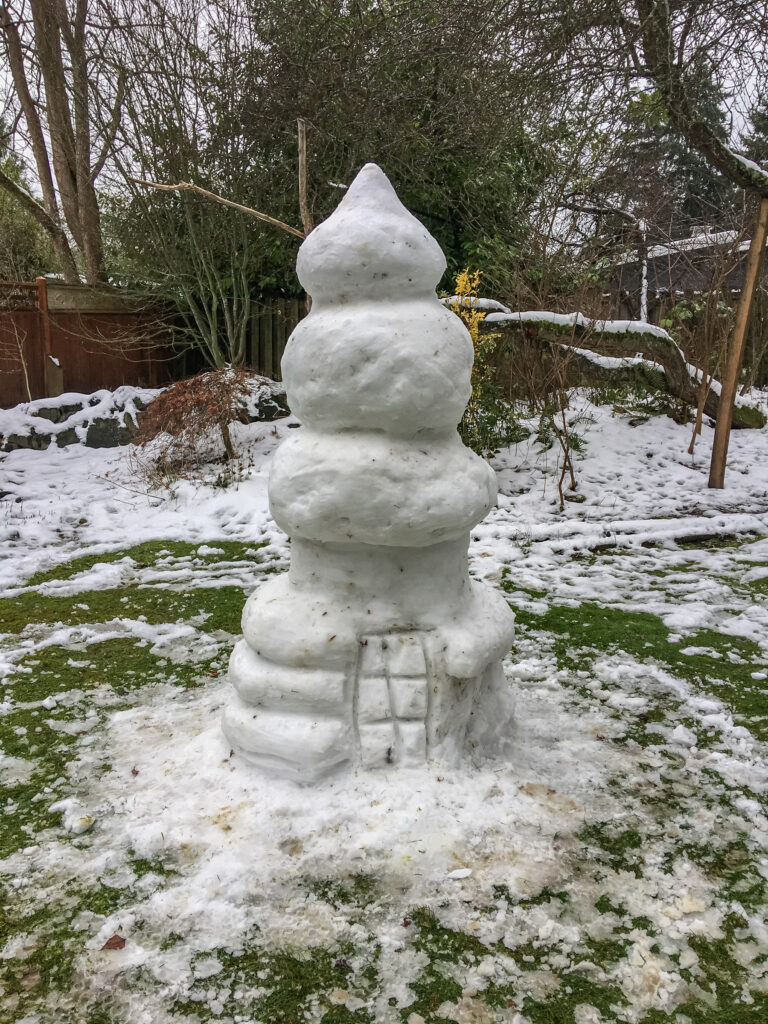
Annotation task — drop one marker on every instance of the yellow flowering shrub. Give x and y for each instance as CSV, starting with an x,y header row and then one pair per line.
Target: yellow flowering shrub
x,y
488,422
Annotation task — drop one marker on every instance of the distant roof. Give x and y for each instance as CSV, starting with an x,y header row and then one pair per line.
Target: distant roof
x,y
702,239
692,264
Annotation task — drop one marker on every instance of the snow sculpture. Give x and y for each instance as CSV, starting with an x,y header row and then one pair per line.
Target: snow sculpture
x,y
376,648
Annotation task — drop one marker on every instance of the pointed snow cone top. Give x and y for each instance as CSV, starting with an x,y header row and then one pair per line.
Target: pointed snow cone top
x,y
370,247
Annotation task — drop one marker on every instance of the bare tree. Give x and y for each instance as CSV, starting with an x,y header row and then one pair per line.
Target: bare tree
x,y
678,51
53,48
180,127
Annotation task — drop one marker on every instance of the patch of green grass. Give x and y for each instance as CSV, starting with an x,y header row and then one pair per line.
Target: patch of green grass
x,y
663,710
147,554
604,905
715,542
102,1013
757,586
222,607
507,584
619,849
604,952
358,890
282,984
574,989
171,940
443,946
731,863
448,948
123,664
48,964
589,629
142,866
39,735
26,733
721,973
443,943
545,896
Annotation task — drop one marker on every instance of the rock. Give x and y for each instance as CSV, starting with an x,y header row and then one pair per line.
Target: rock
x,y
32,441
269,402
57,413
66,437
105,419
118,425
109,432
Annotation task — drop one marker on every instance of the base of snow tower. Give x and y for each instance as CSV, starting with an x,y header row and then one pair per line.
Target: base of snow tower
x,y
395,706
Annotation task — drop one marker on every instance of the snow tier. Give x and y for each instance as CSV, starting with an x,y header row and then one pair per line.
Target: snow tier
x,y
376,648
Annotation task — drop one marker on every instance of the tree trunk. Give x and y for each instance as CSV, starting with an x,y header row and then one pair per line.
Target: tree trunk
x,y
48,215
229,448
62,150
658,49
306,216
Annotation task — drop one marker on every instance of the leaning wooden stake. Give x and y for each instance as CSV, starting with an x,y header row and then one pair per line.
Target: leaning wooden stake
x,y
731,375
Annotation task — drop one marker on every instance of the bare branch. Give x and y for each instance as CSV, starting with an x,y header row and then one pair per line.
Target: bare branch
x,y
658,47
185,186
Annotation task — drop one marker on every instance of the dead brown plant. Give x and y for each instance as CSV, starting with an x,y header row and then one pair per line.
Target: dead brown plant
x,y
188,425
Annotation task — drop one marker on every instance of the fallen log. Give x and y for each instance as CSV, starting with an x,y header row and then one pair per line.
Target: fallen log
x,y
635,350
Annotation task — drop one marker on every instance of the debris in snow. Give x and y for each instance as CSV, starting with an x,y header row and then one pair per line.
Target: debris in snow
x,y
74,820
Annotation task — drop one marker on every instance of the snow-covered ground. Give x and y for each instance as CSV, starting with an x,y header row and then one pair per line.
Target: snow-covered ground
x,y
612,867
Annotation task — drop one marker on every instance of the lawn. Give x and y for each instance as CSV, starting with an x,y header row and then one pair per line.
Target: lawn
x,y
612,868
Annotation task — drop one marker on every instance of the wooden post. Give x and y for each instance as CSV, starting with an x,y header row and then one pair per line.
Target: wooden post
x,y
52,372
306,216
731,375
293,315
266,368
282,335
252,358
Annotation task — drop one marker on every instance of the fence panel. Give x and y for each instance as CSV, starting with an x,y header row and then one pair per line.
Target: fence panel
x,y
271,326
85,341
22,373
97,341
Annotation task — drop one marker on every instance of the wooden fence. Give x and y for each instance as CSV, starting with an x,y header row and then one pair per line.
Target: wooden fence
x,y
271,327
57,338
